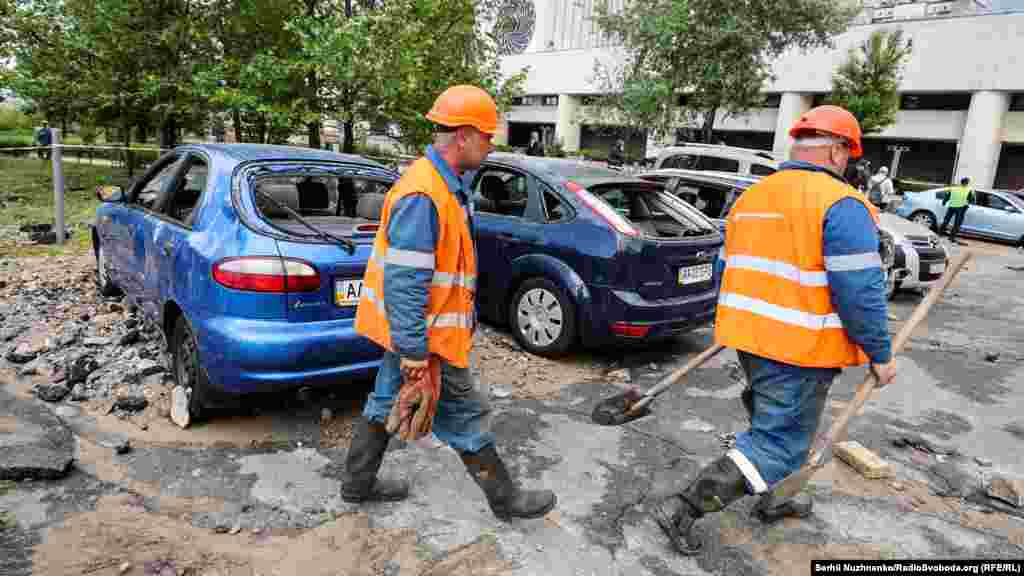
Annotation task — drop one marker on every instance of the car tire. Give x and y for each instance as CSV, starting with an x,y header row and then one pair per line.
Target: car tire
x,y
543,318
104,285
189,376
925,218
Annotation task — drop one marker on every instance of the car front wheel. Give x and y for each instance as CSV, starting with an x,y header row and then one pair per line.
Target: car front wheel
x,y
189,377
543,318
924,219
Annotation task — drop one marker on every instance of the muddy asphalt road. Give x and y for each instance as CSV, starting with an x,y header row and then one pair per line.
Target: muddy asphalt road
x,y
107,485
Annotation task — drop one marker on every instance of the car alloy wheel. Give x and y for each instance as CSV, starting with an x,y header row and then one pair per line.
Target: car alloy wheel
x,y
924,219
543,317
186,398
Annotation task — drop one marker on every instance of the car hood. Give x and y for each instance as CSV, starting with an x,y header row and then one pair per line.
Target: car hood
x,y
898,226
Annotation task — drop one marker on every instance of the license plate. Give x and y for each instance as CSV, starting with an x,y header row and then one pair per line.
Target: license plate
x,y
695,274
347,292
937,268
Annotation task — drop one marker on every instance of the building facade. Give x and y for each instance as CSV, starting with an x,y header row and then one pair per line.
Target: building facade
x,y
962,93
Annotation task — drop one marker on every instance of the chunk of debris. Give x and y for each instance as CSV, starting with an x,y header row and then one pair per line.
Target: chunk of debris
x,y
908,440
131,403
950,480
984,462
1009,490
622,374
992,357
869,464
51,392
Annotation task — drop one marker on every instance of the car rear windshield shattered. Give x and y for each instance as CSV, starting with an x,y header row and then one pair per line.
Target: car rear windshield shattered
x,y
654,212
340,204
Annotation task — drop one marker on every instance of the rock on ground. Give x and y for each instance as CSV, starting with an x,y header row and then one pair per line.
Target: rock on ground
x,y
34,443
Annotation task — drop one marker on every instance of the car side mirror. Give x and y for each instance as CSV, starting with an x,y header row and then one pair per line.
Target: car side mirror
x,y
110,193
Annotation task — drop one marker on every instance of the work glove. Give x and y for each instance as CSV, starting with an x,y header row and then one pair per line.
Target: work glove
x,y
412,413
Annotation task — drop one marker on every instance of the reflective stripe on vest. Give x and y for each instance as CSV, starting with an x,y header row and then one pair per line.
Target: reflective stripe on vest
x,y
774,299
450,305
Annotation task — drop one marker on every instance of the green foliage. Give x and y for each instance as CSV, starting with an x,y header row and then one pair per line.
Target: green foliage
x,y
13,119
17,139
717,53
867,83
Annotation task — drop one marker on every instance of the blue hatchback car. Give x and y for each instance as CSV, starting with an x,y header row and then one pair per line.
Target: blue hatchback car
x,y
249,298
576,253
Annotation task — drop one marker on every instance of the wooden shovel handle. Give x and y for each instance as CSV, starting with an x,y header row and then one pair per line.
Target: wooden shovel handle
x,y
838,430
675,376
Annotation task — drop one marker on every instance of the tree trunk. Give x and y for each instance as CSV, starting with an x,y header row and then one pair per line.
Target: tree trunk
x,y
709,125
314,134
350,137
169,133
236,121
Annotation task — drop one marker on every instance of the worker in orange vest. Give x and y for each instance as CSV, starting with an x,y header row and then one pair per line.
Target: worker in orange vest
x,y
418,303
802,296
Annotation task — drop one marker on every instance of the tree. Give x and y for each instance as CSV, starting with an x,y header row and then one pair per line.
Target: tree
x,y
867,83
686,60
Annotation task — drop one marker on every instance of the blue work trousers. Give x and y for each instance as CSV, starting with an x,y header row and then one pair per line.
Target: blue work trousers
x,y
463,412
788,404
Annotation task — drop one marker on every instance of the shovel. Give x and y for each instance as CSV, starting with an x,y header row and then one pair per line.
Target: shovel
x,y
631,405
792,485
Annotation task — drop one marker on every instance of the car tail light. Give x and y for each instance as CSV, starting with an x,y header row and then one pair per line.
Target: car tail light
x,y
630,330
266,274
604,210
367,228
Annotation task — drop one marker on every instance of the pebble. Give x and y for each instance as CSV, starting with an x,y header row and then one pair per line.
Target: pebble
x,y
235,529
499,392
124,568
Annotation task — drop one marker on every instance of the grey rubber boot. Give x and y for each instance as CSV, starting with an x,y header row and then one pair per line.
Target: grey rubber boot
x,y
362,464
716,486
504,496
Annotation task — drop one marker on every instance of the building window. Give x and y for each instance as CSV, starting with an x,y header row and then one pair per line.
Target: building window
x,y
954,101
550,101
1017,102
772,100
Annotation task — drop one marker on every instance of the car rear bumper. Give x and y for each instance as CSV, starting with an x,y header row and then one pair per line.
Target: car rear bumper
x,y
662,319
244,356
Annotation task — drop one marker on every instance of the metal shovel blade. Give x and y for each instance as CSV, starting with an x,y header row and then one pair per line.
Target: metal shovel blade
x,y
616,410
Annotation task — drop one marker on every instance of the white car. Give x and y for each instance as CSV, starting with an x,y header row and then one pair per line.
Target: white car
x,y
912,254
920,257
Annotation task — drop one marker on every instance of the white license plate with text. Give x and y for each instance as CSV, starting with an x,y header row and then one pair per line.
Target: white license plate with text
x,y
347,292
695,274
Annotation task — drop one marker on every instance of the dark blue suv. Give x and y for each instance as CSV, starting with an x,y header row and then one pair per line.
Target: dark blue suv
x,y
572,252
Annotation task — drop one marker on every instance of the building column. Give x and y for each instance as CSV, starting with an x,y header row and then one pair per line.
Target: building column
x,y
568,128
791,106
982,139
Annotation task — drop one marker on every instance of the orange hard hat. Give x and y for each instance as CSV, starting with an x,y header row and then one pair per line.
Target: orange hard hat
x,y
831,120
464,105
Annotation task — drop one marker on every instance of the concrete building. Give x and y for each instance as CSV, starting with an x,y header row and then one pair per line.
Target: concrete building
x,y
962,93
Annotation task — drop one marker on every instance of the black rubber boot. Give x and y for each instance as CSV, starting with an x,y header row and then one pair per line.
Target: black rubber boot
x,y
364,458
504,496
798,506
719,484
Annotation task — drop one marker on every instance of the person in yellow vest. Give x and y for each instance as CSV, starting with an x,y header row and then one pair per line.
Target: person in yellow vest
x,y
802,295
418,300
957,201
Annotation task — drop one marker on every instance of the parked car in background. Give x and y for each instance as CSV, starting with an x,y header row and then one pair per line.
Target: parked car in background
x,y
994,215
249,297
719,158
912,255
572,253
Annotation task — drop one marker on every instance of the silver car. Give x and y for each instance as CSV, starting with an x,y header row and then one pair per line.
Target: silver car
x,y
995,215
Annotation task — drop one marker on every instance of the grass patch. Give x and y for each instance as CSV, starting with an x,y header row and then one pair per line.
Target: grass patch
x,y
26,197
7,520
7,486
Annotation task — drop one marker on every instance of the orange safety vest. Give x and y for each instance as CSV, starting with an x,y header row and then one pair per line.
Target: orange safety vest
x,y
450,305
774,300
